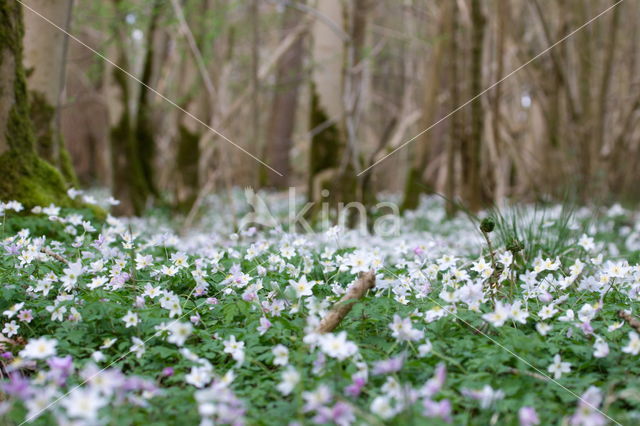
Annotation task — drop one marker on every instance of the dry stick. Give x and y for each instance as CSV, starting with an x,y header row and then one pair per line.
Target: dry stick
x,y
54,255
340,310
633,322
528,373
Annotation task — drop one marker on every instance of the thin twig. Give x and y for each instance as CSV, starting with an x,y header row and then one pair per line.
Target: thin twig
x,y
340,310
633,322
56,256
528,373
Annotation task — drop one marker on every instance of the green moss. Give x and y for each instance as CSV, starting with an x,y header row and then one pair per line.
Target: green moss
x,y
144,135
325,152
328,148
47,139
188,157
25,176
42,114
66,168
145,145
19,129
369,197
412,189
31,180
129,183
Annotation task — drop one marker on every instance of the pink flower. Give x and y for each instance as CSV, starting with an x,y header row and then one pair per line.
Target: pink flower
x,y
441,409
355,388
341,414
434,384
587,413
391,365
528,416
25,315
265,324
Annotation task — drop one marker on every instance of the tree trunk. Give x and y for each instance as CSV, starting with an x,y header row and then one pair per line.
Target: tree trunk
x,y
188,178
132,138
502,163
355,97
330,166
25,176
191,140
471,177
601,115
145,138
415,183
45,57
255,85
128,184
284,106
452,148
128,181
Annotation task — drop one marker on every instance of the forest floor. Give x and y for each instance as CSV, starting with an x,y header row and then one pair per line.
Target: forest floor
x,y
531,320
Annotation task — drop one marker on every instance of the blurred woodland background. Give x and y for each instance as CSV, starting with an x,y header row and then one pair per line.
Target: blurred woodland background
x,y
321,90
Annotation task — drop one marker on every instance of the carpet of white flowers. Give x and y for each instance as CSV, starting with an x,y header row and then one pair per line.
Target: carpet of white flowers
x,y
130,322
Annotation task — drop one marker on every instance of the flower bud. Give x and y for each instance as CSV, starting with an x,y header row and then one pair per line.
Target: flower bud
x,y
487,225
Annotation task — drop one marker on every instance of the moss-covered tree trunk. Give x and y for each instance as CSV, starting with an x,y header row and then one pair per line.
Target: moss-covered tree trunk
x,y
187,176
129,185
25,177
190,135
132,138
415,183
45,52
188,142
145,138
332,177
329,165
357,88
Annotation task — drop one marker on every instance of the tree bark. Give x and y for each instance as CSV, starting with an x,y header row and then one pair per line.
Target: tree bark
x,y
25,176
601,116
330,166
415,183
128,184
128,181
145,137
284,105
452,148
255,83
132,136
45,51
191,139
355,98
365,282
501,162
471,176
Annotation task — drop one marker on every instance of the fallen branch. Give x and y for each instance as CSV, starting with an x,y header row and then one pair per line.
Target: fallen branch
x,y
340,310
530,374
4,340
633,322
56,256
